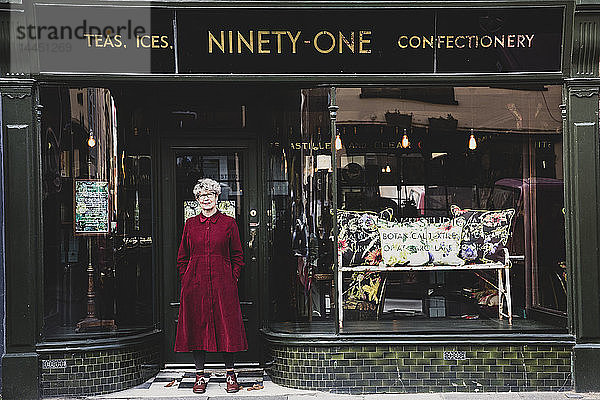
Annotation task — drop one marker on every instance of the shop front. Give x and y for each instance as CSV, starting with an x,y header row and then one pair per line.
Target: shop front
x,y
413,187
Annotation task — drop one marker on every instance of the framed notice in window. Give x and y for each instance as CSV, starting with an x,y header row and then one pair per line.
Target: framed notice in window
x,y
92,207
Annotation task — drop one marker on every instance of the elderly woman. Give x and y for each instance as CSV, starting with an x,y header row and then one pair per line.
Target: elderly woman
x,y
209,262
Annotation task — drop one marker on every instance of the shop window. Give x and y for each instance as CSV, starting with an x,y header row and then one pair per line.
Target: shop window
x,y
300,172
411,163
96,179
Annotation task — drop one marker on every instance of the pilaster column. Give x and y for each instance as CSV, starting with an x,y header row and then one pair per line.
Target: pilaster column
x,y
23,244
582,200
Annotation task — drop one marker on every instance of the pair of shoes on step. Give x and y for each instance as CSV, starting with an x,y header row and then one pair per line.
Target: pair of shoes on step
x,y
201,382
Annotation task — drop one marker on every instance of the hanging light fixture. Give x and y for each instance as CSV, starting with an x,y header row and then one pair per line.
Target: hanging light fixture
x,y
338,142
388,169
405,141
472,141
91,141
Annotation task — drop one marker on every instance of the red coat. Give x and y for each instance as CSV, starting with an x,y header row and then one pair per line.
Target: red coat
x,y
209,262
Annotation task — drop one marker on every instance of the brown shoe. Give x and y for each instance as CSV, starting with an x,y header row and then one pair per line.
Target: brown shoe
x,y
200,384
232,384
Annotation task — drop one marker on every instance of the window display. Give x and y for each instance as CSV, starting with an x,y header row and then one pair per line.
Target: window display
x,y
433,196
96,214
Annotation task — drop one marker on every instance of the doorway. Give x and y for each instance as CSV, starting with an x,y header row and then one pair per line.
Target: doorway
x,y
232,163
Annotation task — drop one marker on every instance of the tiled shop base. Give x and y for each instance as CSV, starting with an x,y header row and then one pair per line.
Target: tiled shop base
x,y
94,372
365,369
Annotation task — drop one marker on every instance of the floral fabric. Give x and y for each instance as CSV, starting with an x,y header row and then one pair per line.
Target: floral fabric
x,y
363,292
484,232
358,238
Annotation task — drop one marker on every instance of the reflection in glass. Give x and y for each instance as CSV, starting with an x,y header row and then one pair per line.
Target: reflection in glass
x,y
299,251
121,284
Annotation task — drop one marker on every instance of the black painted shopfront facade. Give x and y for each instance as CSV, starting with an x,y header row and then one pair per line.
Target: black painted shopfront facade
x,y
391,113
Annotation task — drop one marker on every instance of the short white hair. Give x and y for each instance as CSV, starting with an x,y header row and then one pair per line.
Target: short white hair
x,y
210,185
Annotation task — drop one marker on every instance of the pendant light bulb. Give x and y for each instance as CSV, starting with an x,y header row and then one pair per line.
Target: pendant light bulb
x,y
388,169
405,141
338,142
91,141
472,141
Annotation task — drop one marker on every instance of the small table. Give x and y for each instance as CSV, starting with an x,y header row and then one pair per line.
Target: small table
x,y
504,289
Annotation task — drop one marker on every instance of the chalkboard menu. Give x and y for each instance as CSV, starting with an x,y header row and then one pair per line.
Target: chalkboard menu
x,y
92,207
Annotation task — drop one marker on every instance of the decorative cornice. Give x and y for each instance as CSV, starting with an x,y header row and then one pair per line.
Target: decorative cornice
x,y
17,126
15,96
584,92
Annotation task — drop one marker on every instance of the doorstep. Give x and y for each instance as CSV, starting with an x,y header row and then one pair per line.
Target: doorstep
x,y
172,384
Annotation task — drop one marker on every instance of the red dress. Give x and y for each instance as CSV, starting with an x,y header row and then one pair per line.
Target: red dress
x,y
209,262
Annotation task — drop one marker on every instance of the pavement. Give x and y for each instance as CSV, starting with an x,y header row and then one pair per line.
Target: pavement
x,y
177,384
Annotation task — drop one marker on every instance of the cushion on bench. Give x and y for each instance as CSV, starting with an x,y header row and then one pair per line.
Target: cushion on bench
x,y
484,232
358,238
404,243
472,236
444,239
420,241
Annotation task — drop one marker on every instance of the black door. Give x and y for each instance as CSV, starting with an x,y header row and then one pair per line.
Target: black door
x,y
233,164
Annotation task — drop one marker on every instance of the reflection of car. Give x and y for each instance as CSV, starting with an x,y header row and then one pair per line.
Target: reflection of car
x,y
505,190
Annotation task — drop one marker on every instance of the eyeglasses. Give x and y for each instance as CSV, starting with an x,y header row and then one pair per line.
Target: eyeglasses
x,y
206,195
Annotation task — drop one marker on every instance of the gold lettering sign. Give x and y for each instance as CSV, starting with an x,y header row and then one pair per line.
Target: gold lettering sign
x,y
466,41
286,41
326,42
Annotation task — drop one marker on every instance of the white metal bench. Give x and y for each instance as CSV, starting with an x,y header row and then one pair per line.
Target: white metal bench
x,y
503,268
